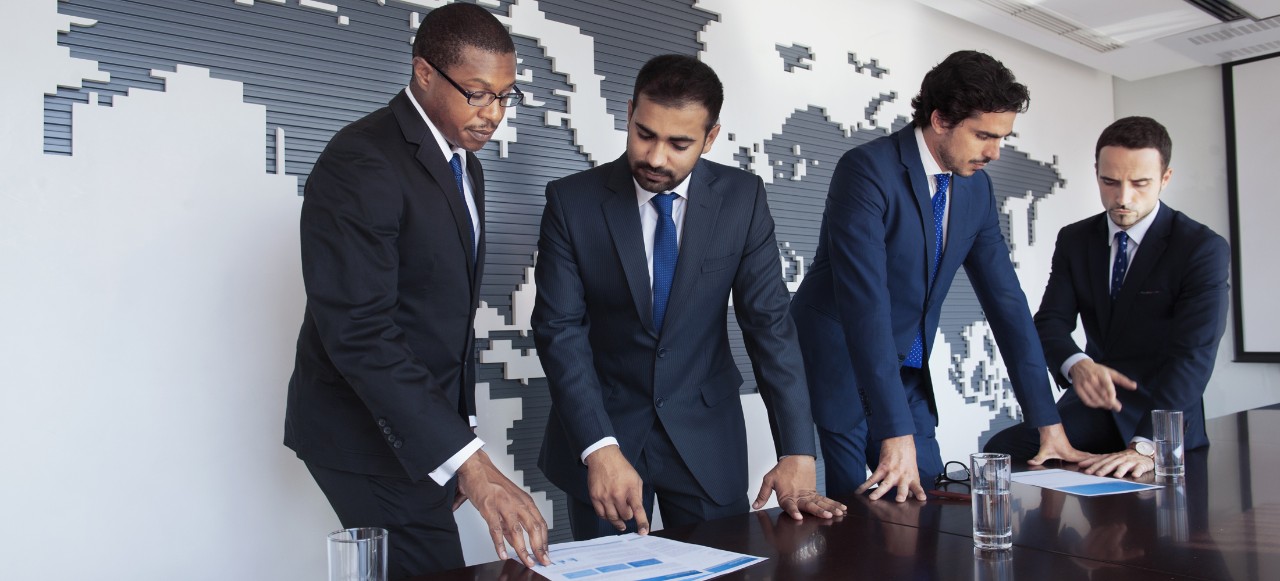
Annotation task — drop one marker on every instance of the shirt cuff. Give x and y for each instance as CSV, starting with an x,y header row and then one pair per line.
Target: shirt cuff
x,y
450,467
605,441
1071,362
475,423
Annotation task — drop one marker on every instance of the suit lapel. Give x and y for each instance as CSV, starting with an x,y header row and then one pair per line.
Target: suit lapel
x,y
623,218
1149,252
1098,263
476,173
432,159
909,153
962,201
701,212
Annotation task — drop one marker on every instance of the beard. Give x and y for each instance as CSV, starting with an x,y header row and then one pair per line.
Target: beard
x,y
654,179
960,168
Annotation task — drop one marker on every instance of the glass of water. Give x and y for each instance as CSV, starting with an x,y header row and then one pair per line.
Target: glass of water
x,y
1167,431
358,555
989,479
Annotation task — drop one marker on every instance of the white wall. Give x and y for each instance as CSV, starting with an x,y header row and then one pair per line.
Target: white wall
x,y
151,292
1190,105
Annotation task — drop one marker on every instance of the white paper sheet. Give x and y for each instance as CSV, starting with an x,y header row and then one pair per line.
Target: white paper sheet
x,y
632,557
1079,483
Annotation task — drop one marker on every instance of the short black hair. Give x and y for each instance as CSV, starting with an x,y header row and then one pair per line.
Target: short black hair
x,y
1137,133
676,80
966,84
445,31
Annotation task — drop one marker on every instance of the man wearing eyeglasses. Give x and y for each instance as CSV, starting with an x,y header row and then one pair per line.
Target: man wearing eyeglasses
x,y
392,234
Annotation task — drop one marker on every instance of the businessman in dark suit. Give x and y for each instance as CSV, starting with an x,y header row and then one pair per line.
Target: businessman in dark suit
x,y
903,214
1150,285
392,253
636,263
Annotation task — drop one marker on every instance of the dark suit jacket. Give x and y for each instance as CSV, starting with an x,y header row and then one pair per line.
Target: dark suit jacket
x,y
867,293
384,376
612,374
1164,328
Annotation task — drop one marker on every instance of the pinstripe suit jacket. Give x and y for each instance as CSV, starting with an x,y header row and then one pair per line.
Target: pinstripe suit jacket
x,y
612,374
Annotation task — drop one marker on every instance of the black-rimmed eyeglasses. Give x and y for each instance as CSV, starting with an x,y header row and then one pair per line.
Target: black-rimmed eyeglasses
x,y
952,472
484,98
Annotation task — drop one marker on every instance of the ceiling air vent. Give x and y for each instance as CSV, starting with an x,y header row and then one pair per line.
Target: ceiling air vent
x,y
1220,9
1056,24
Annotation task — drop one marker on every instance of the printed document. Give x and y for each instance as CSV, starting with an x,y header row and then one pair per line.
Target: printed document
x,y
632,557
1079,483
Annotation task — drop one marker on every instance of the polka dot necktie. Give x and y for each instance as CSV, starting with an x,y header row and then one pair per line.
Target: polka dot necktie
x,y
456,163
1121,265
915,357
665,253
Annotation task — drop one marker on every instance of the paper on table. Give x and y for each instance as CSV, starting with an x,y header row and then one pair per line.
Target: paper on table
x,y
1079,483
633,557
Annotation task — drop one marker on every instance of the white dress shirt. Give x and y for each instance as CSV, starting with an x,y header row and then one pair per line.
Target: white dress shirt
x,y
931,170
447,151
648,223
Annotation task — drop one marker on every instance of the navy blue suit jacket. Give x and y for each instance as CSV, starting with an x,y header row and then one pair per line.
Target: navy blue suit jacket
x,y
867,294
1162,331
384,376
612,374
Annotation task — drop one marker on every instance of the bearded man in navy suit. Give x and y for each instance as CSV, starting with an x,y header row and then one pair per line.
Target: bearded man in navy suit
x,y
1150,286
903,214
636,263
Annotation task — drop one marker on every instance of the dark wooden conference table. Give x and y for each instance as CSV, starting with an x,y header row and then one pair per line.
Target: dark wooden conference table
x,y
1222,521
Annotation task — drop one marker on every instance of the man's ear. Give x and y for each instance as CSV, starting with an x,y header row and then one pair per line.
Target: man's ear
x,y
937,123
711,138
422,72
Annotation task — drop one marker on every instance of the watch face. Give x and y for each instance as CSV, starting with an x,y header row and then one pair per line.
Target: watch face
x,y
1145,448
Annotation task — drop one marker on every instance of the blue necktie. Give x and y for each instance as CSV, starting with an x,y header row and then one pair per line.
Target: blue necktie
x,y
665,253
915,357
456,163
1121,264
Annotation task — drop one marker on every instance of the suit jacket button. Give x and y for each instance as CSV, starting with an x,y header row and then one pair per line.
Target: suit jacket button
x,y
658,402
662,352
382,422
386,430
391,438
397,444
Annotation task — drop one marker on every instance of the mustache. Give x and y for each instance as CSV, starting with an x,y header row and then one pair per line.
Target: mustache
x,y
651,169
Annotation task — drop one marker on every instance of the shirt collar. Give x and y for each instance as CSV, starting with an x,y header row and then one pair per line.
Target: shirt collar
x,y
643,196
931,167
445,149
1136,231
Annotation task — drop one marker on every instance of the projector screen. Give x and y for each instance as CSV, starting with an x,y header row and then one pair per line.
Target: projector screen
x,y
1253,167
